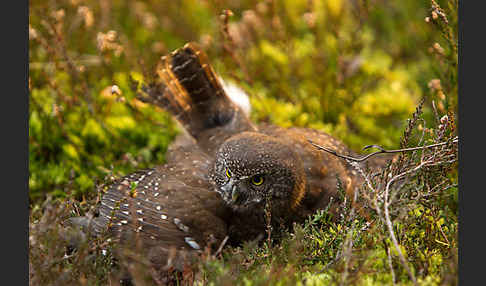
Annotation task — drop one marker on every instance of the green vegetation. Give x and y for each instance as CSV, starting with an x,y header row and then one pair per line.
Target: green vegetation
x,y
355,69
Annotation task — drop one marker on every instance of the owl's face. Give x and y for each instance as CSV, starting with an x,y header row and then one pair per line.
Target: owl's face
x,y
251,167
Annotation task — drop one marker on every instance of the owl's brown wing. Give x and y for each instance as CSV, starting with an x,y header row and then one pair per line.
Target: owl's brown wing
x,y
323,171
171,206
189,89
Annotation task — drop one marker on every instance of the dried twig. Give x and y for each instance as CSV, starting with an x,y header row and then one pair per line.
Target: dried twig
x,y
220,248
390,264
268,219
230,48
382,150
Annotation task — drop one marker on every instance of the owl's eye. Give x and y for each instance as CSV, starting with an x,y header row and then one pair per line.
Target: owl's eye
x,y
257,180
228,173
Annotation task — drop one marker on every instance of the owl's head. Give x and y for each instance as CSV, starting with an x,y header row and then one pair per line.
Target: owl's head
x,y
250,167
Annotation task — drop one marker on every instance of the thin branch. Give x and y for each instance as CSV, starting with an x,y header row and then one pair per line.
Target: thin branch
x,y
390,264
221,246
268,220
382,150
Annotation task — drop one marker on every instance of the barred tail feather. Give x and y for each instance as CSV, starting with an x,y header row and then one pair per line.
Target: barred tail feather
x,y
192,93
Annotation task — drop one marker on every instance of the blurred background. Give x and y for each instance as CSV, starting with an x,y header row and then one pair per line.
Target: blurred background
x,y
353,68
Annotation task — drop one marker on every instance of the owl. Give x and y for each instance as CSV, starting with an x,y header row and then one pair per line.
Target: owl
x,y
225,178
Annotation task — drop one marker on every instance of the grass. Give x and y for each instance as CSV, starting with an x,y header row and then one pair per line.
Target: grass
x,y
359,70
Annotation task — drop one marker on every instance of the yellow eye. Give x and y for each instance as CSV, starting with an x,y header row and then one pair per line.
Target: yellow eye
x,y
228,174
257,180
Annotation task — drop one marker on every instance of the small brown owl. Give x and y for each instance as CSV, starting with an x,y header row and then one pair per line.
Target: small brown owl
x,y
222,175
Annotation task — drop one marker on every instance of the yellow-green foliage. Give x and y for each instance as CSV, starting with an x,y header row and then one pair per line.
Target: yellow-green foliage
x,y
318,66
352,70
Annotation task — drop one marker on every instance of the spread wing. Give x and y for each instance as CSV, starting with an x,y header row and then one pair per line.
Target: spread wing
x,y
170,206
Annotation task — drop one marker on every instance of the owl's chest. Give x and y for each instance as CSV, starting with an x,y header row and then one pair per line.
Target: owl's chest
x,y
255,225
245,228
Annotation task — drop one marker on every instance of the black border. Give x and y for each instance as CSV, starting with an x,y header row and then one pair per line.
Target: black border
x,y
15,148
471,145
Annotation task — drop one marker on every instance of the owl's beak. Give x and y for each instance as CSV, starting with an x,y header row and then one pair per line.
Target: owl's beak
x,y
231,188
234,194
